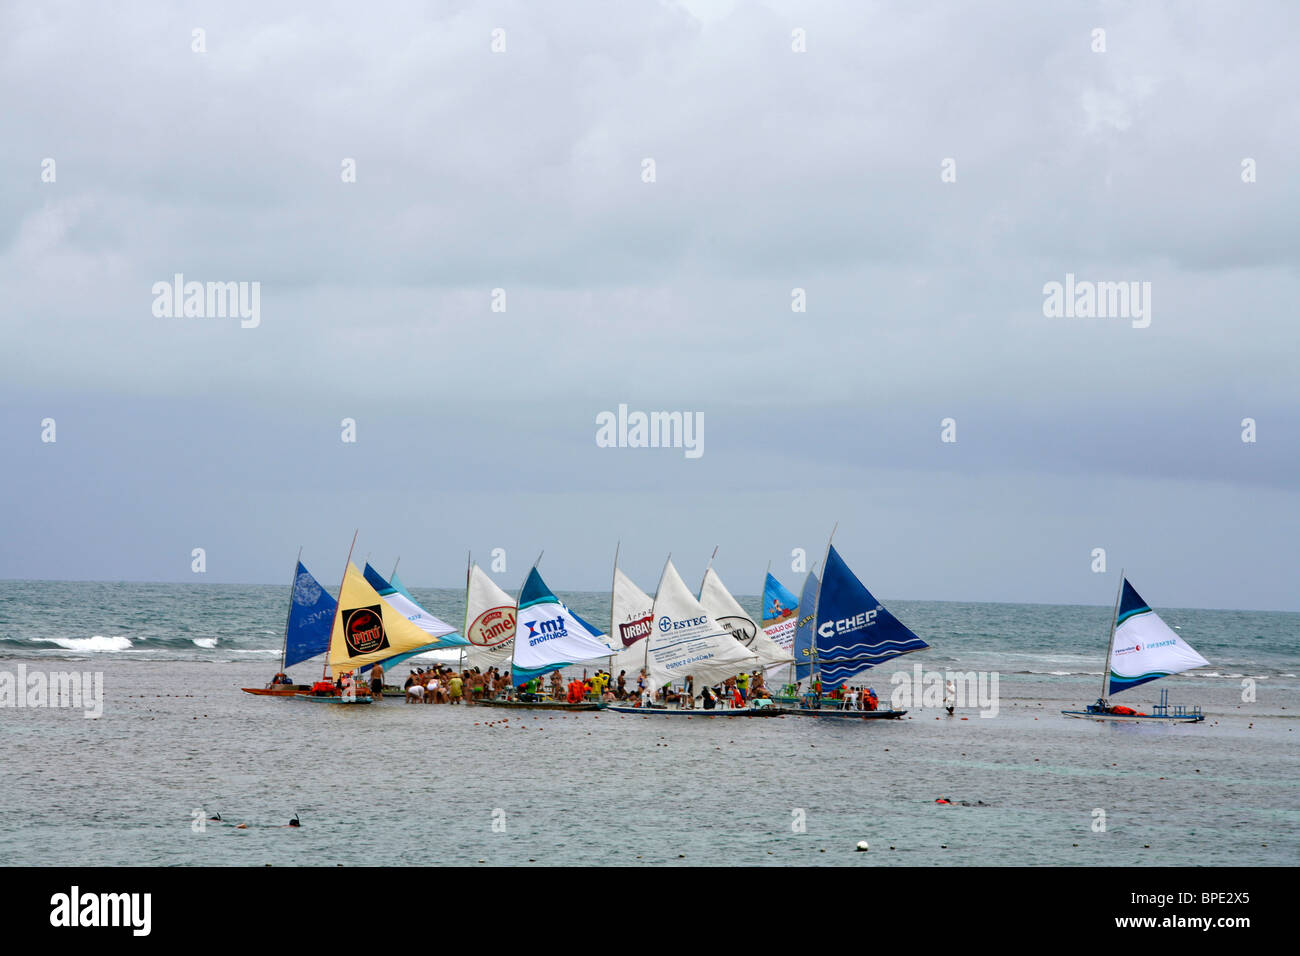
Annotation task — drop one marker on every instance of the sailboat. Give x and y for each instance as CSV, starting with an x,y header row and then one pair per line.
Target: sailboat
x,y
489,621
719,603
366,628
851,632
1142,648
442,635
686,641
631,619
805,617
779,616
548,636
306,629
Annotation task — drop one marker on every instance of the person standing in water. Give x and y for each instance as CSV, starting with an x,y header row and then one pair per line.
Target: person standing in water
x,y
377,681
950,696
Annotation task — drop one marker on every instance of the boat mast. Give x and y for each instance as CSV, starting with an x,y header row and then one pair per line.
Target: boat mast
x,y
469,567
1110,644
706,570
612,583
702,580
815,672
646,665
514,647
338,609
284,650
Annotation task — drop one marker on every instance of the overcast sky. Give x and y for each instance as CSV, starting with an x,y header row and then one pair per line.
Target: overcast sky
x,y
774,170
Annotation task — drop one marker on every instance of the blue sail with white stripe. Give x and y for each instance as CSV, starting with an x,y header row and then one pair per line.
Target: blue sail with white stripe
x,y
443,634
1145,648
803,632
311,618
853,630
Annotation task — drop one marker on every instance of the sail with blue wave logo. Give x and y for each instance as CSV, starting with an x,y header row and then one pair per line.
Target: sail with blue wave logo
x,y
1145,648
311,616
548,635
803,632
853,630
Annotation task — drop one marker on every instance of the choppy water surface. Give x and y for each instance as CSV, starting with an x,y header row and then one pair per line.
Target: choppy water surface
x,y
391,783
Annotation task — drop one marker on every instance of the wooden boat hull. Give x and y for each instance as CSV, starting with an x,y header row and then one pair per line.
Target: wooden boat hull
x,y
281,690
324,699
844,714
1138,718
543,704
698,712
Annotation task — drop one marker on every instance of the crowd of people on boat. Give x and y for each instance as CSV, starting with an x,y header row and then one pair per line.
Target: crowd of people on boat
x,y
446,685
442,684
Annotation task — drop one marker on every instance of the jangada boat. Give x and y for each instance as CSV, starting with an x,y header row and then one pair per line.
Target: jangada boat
x,y
542,704
696,711
841,713
306,630
324,692
549,636
372,627
1142,648
841,633
279,690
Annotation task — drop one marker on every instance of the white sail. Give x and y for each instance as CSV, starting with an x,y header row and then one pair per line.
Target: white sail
x,y
686,640
1144,647
490,627
548,635
632,615
726,610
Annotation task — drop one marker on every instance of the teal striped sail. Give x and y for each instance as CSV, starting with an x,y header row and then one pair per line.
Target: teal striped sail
x,y
1145,648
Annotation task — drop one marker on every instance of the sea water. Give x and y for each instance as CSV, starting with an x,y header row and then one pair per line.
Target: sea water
x,y
403,784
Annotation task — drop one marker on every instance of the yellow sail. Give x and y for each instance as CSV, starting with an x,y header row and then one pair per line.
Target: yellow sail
x,y
367,628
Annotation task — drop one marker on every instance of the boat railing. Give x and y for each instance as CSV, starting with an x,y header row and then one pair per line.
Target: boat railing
x,y
1162,709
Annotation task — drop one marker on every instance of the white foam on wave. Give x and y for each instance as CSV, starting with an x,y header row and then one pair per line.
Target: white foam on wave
x,y
96,643
208,642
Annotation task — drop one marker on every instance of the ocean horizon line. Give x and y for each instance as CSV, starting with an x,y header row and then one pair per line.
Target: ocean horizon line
x,y
435,587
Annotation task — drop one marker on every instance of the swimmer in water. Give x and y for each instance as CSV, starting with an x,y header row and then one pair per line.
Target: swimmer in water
x,y
216,818
295,822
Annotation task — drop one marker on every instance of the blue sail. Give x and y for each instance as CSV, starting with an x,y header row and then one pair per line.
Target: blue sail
x,y
778,602
804,629
854,631
311,618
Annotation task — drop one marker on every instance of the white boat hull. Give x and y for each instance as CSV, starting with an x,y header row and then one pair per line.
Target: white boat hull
x,y
1138,718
